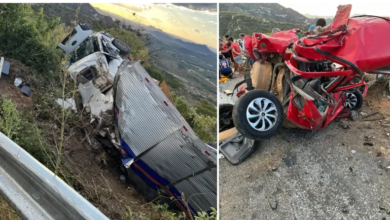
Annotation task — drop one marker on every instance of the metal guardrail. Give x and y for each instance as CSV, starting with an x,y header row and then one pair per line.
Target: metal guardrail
x,y
35,192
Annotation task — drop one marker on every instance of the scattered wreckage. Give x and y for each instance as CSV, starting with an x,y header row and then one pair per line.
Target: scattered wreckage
x,y
306,83
160,153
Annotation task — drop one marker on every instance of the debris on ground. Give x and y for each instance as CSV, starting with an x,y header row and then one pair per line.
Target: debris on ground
x,y
4,66
26,90
17,82
343,125
368,117
223,79
228,92
69,103
327,186
369,143
354,115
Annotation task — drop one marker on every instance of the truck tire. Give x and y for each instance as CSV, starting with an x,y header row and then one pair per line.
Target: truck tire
x,y
124,49
258,114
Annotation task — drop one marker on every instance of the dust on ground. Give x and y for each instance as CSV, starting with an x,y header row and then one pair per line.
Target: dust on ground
x,y
97,173
332,175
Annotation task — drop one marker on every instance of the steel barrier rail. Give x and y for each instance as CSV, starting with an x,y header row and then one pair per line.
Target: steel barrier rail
x,y
35,192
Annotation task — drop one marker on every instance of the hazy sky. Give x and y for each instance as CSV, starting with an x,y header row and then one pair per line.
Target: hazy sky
x,y
329,7
197,26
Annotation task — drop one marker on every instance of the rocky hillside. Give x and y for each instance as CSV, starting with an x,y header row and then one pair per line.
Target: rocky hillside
x,y
271,11
88,10
234,23
67,12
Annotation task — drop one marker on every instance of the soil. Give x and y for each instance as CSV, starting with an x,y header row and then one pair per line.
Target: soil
x,y
332,175
97,173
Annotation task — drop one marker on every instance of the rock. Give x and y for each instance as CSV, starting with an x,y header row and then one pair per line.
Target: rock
x,y
345,210
362,113
369,143
344,126
354,115
273,203
386,125
353,151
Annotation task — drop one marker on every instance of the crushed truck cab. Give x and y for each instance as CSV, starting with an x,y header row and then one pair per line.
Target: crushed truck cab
x,y
160,153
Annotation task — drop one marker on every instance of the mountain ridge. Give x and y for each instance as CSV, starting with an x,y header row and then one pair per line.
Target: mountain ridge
x,y
234,23
271,11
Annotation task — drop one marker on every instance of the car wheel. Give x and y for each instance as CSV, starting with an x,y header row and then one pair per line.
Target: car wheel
x,y
124,49
353,99
258,114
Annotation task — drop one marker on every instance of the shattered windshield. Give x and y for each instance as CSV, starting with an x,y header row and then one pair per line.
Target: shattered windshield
x,y
88,47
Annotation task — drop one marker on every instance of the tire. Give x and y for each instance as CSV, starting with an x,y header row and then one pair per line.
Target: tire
x,y
357,98
124,49
227,123
263,127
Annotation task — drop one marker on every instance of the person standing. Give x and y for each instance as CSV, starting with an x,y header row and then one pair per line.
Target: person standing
x,y
241,42
236,54
226,51
246,41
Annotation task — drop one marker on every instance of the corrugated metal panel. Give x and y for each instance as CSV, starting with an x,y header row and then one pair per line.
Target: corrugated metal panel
x,y
147,115
176,151
159,136
200,190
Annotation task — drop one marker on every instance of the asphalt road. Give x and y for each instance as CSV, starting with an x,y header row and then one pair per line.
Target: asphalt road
x,y
330,176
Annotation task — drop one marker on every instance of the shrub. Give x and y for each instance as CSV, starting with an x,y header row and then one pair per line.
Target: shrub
x,y
30,37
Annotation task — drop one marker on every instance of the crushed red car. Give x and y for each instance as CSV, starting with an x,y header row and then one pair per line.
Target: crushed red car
x,y
307,83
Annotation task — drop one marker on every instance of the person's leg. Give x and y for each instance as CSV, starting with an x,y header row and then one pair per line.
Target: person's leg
x,y
236,66
226,72
238,61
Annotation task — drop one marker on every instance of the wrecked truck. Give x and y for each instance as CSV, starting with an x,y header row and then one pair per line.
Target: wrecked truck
x,y
160,153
